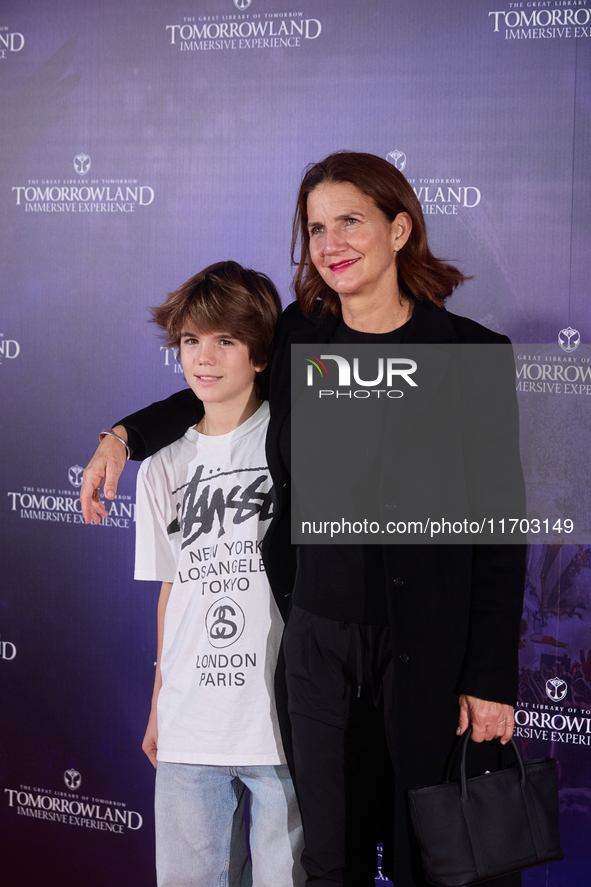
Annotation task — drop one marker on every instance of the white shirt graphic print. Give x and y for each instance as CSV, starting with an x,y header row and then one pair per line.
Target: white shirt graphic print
x,y
203,506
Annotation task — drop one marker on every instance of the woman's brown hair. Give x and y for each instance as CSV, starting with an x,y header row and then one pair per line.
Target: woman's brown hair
x,y
420,274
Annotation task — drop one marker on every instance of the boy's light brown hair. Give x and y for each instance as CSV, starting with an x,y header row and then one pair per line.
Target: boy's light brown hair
x,y
224,298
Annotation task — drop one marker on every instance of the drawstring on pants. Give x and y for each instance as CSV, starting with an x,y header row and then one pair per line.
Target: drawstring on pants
x,y
356,633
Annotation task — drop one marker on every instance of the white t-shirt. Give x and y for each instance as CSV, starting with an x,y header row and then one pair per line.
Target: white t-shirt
x,y
203,506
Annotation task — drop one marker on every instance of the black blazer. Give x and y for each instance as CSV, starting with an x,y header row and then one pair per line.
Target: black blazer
x,y
476,591
454,610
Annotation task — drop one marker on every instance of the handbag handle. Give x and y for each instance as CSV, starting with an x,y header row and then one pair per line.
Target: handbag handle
x,y
471,823
463,779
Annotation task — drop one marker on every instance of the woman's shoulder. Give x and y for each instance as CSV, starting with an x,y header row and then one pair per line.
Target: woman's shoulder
x,y
471,331
293,319
429,319
438,324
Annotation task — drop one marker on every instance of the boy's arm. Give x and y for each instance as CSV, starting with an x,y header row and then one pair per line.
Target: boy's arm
x,y
150,743
146,432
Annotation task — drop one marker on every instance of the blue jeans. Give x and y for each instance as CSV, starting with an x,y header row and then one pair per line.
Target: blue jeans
x,y
200,833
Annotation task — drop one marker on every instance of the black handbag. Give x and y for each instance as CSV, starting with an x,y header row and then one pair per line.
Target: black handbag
x,y
490,825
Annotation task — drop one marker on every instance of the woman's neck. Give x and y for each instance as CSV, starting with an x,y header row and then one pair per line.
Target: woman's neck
x,y
375,316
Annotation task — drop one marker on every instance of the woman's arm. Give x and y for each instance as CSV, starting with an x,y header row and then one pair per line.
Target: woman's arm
x,y
104,468
146,432
161,423
491,439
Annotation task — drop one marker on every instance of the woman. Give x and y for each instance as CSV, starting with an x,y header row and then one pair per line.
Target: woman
x,y
429,633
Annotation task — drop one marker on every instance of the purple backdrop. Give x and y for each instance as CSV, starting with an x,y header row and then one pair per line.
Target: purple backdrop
x,y
142,141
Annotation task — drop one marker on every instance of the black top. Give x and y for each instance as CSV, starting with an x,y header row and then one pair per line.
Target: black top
x,y
344,582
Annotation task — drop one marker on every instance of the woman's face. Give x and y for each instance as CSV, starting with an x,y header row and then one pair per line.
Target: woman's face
x,y
352,244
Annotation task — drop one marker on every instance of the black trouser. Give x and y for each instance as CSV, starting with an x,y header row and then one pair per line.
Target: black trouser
x,y
342,744
343,774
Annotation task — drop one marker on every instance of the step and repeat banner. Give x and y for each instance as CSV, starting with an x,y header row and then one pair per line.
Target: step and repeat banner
x,y
143,141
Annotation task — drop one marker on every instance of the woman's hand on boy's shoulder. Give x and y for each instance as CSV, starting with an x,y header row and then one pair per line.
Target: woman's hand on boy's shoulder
x,y
105,468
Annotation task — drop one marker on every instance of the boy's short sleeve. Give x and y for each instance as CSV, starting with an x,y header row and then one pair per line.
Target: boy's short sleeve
x,y
154,556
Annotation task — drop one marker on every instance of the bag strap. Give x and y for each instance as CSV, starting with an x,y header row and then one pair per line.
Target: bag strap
x,y
454,757
469,816
514,749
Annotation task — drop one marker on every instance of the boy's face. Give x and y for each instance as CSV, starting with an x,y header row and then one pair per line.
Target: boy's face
x,y
217,367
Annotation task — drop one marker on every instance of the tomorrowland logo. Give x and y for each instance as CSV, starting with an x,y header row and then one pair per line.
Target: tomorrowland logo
x,y
242,4
82,164
397,158
569,339
556,689
75,475
72,779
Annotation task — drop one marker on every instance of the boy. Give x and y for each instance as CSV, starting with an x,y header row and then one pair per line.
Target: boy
x,y
203,506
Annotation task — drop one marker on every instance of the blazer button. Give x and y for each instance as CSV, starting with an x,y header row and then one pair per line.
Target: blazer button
x,y
398,582
404,657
